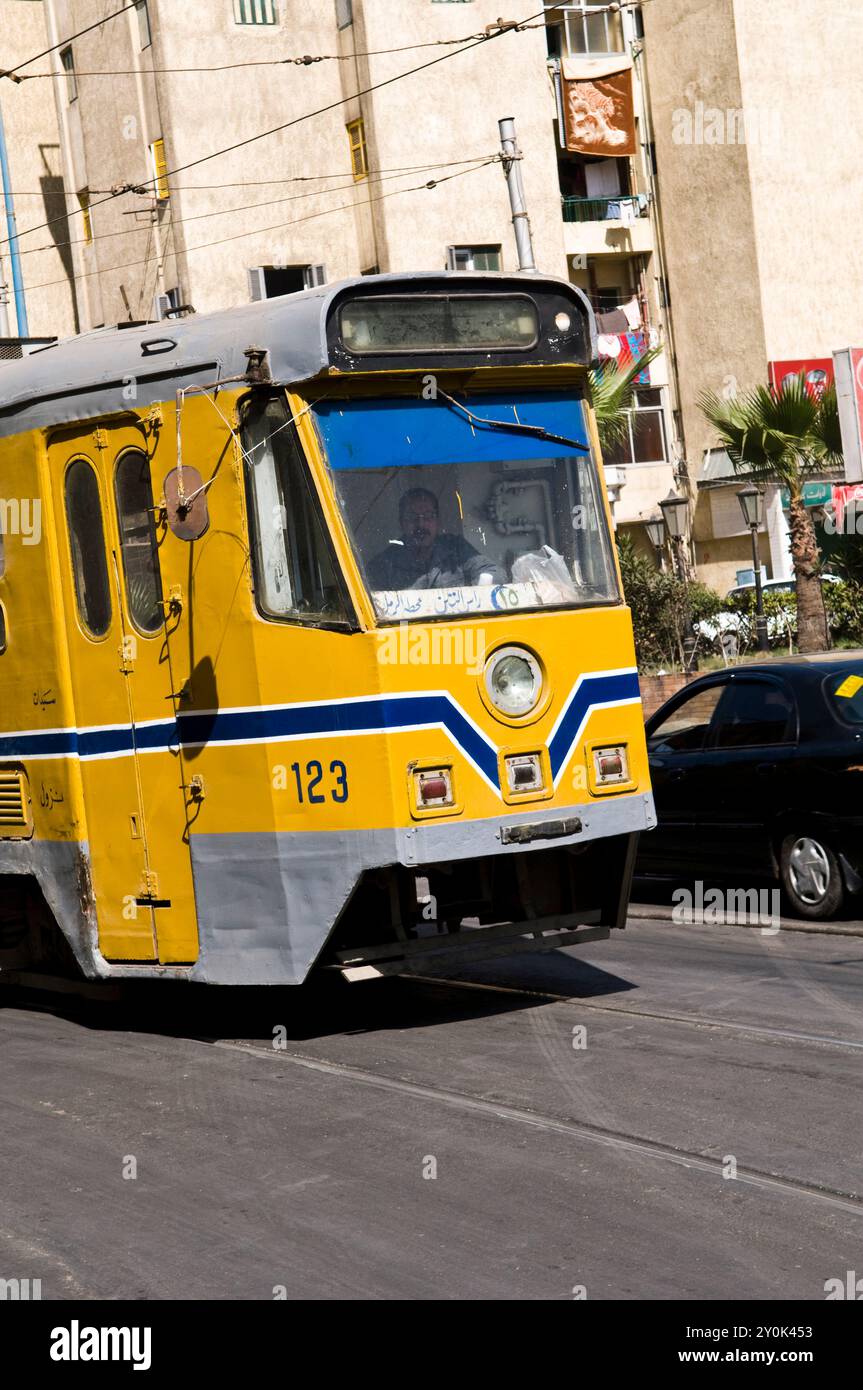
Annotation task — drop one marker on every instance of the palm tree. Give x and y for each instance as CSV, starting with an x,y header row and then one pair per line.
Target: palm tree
x,y
611,389
786,437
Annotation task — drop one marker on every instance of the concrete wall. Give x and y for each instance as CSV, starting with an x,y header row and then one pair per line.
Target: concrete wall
x,y
260,217
801,71
35,167
450,112
713,270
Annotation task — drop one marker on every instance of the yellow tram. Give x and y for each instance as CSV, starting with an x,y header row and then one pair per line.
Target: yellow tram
x,y
313,651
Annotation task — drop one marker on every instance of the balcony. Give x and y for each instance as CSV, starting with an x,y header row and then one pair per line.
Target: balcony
x,y
624,208
616,224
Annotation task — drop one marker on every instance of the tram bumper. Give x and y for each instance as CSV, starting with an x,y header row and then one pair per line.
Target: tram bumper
x,y
273,906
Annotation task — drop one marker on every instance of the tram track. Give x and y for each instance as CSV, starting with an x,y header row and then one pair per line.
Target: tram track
x,y
580,1130
654,1015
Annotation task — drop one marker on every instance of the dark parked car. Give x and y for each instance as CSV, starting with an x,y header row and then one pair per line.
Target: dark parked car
x,y
758,774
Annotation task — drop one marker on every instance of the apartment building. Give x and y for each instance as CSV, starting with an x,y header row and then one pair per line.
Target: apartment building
x,y
402,177
729,251
37,298
756,109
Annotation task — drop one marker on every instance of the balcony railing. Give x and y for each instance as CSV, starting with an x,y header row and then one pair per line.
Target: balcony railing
x,y
621,207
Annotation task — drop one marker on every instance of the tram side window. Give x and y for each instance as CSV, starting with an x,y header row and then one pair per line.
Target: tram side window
x,y
87,545
2,629
138,541
295,573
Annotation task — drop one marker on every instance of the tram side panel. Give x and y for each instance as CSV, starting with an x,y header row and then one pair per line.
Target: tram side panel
x,y
44,862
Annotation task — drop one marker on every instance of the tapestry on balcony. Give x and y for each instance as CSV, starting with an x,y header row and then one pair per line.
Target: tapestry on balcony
x,y
598,106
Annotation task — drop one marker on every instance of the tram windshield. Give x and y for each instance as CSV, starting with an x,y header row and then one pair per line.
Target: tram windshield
x,y
466,505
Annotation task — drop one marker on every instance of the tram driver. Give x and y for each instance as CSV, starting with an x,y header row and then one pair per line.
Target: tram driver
x,y
426,557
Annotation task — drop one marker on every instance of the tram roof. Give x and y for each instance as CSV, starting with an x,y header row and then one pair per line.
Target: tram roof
x,y
111,370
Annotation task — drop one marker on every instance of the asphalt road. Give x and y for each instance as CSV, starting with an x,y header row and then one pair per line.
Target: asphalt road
x,y
545,1125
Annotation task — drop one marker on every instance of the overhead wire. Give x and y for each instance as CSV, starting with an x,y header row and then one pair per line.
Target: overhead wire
x,y
267,183
64,43
279,226
296,120
306,59
244,207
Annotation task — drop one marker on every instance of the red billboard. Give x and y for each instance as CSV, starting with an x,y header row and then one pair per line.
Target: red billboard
x,y
817,371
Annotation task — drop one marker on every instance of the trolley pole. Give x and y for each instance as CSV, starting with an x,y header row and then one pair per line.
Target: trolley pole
x,y
512,171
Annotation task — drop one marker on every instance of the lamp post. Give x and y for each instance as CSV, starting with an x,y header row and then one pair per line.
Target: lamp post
x,y
675,509
751,500
655,528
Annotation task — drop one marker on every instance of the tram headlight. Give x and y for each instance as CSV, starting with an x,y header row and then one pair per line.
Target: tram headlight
x,y
513,680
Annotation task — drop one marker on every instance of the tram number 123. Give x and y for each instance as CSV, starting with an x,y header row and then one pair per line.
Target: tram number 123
x,y
315,787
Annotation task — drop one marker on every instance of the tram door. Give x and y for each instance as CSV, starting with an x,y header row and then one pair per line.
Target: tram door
x,y
120,659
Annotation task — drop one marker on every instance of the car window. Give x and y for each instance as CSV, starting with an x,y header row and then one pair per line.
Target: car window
x,y
844,691
685,727
754,713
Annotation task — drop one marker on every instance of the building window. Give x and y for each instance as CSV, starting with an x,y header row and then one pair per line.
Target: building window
x,y
68,64
645,437
473,258
269,281
86,219
344,13
145,37
255,12
584,27
159,165
87,547
359,154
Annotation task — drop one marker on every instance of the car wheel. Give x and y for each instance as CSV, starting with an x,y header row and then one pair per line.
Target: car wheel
x,y
811,877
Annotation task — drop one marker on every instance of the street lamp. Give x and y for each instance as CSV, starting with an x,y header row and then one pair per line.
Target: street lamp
x,y
674,509
655,528
751,500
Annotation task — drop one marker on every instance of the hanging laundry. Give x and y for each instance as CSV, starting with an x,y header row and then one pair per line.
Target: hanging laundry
x,y
632,310
598,106
612,321
608,345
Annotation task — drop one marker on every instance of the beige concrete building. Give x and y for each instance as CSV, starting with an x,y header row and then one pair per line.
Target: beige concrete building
x,y
757,109
176,195
152,94
45,304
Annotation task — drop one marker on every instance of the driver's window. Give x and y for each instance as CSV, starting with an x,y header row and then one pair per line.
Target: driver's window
x,y
295,572
685,728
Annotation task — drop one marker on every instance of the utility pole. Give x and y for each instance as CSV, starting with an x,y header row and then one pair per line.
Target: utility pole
x,y
512,171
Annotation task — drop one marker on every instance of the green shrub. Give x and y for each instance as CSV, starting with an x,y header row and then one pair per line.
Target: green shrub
x,y
663,607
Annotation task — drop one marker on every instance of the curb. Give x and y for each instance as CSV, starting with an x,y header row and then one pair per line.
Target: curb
x,y
657,912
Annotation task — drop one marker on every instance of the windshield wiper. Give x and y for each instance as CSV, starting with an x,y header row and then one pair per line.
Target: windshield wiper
x,y
538,431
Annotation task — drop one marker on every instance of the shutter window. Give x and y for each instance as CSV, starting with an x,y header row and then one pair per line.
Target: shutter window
x,y
160,171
